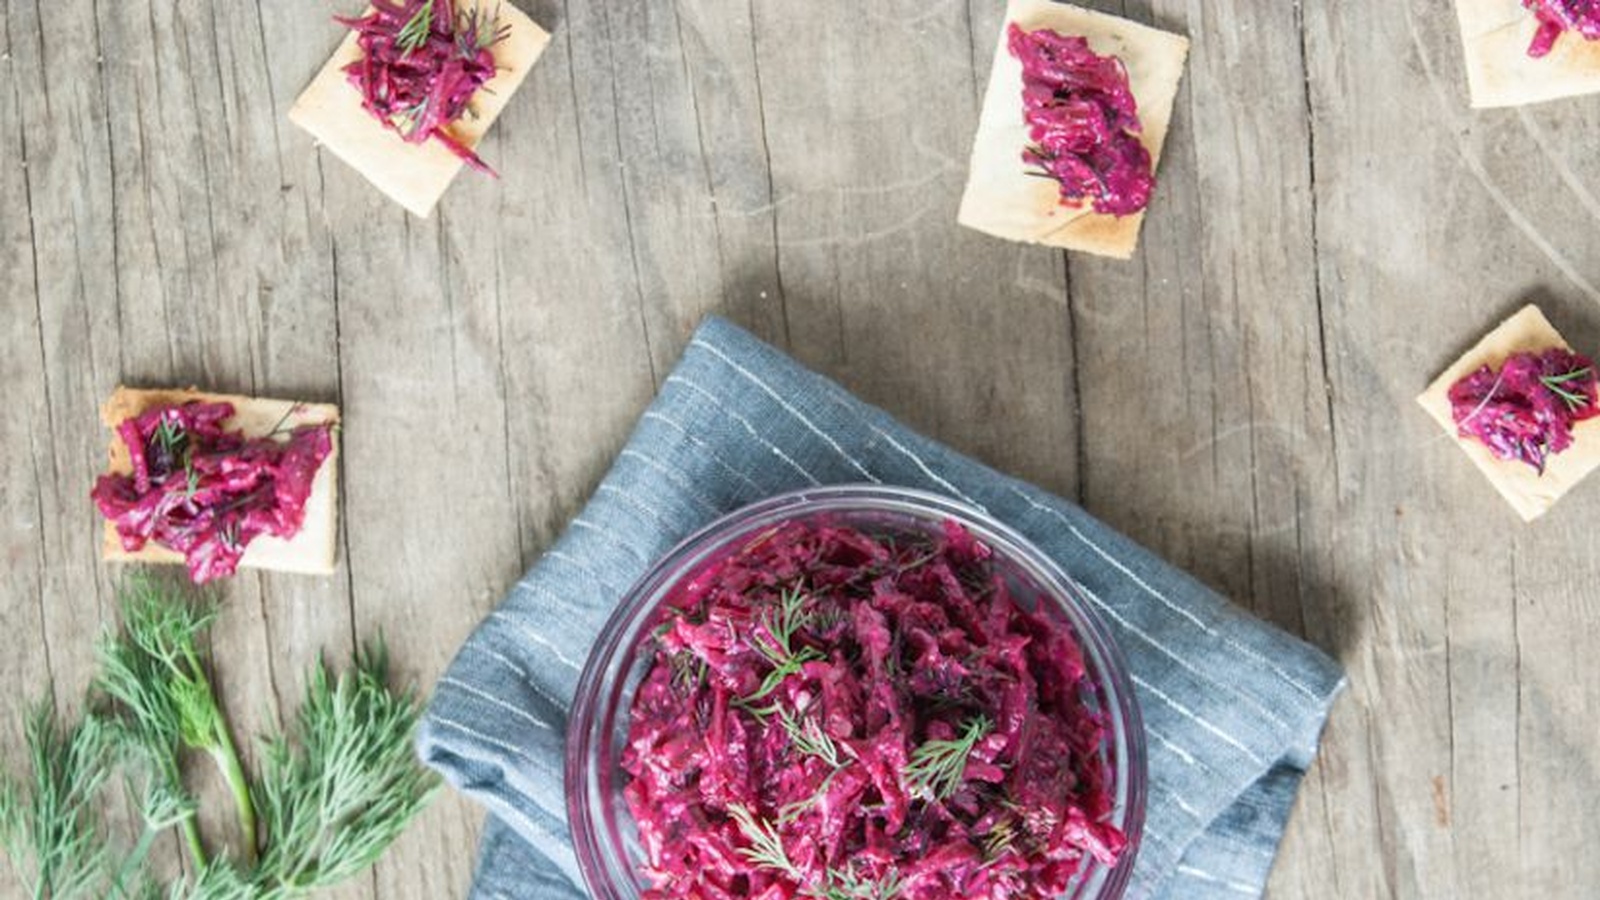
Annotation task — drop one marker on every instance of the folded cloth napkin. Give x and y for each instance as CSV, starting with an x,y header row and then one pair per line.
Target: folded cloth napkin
x,y
1232,706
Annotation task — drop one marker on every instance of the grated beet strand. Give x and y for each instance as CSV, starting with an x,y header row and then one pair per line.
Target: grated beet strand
x,y
1557,17
423,61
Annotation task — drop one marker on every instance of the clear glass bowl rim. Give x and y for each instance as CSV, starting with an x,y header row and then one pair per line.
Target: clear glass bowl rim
x,y
606,869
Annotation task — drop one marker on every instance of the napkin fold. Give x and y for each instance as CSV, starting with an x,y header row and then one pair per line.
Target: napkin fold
x,y
1232,706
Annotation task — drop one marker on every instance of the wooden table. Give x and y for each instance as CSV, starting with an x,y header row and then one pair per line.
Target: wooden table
x,y
1332,227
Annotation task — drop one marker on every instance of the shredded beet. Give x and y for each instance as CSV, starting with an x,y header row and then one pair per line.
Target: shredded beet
x,y
1083,121
423,63
1557,17
1525,411
206,492
834,713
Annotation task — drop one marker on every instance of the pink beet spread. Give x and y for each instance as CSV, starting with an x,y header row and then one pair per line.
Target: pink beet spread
x,y
833,713
422,62
1557,17
205,492
1525,410
1083,121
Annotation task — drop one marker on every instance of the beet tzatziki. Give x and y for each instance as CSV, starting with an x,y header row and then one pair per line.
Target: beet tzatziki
x,y
1083,122
1524,410
833,712
205,491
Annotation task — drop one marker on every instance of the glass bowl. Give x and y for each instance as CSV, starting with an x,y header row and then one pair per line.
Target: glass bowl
x,y
605,839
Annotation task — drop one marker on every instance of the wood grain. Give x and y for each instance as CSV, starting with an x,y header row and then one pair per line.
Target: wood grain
x,y
1332,226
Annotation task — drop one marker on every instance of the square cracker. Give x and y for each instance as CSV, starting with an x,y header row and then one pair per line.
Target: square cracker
x,y
312,550
1001,198
1496,34
414,175
1530,493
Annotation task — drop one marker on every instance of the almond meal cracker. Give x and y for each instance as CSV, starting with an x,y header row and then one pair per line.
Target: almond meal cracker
x,y
1001,198
1528,492
312,550
413,175
1495,35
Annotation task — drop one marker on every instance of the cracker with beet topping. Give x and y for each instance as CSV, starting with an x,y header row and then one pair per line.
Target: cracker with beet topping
x,y
312,549
416,175
1005,197
1496,36
1530,492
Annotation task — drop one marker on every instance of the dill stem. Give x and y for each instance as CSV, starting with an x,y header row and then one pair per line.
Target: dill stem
x,y
227,758
191,837
135,859
190,824
226,755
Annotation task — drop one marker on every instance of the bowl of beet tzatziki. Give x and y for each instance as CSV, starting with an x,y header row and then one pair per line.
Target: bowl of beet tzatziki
x,y
855,693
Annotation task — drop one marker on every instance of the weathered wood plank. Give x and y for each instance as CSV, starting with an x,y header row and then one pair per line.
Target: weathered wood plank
x,y
421,386
1332,226
868,116
25,443
1433,223
1213,332
57,188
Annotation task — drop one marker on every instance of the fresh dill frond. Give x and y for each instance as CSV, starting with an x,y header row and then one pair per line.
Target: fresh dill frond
x,y
160,808
153,671
774,639
766,845
479,29
790,617
936,767
847,884
767,851
332,806
809,738
1002,837
688,670
50,822
1575,400
217,881
414,33
175,443
332,803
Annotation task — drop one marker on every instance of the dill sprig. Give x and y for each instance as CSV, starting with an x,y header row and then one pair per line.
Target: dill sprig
x,y
766,845
806,737
175,443
767,851
160,809
415,32
154,673
50,824
809,738
1002,837
217,881
479,29
332,807
774,639
847,884
1555,384
936,767
688,670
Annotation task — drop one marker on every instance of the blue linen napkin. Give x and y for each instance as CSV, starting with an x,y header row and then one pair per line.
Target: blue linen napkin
x,y
1232,706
